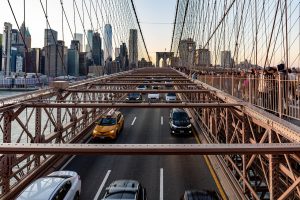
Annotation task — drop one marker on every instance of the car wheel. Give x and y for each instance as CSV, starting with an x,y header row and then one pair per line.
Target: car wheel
x,y
76,196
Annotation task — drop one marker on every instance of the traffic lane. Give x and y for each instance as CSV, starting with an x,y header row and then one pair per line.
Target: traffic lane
x,y
147,128
93,169
183,172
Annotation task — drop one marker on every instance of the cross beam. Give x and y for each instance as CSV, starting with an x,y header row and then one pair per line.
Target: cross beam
x,y
135,91
128,105
150,149
142,83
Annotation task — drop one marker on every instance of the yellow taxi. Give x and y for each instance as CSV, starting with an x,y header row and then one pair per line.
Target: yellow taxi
x,y
109,126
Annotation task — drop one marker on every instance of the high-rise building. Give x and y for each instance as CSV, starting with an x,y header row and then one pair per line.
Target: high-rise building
x,y
107,46
50,37
13,60
133,48
123,57
202,57
1,52
56,60
117,52
14,37
79,37
33,63
73,58
89,44
226,59
97,46
187,52
6,45
83,62
26,36
75,44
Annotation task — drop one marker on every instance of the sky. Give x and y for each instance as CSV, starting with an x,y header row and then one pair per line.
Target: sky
x,y
157,36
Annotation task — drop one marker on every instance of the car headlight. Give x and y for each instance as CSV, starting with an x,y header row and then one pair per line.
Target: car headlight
x,y
174,126
189,126
112,131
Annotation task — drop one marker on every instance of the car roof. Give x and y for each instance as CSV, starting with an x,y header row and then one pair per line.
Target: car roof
x,y
41,188
201,195
111,114
178,110
123,186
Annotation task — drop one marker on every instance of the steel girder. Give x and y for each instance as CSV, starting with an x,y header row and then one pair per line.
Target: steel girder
x,y
259,176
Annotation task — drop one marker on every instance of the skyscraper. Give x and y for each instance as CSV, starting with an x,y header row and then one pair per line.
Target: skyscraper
x,y
123,57
33,63
14,37
133,48
107,42
1,52
97,46
79,37
226,60
56,59
26,37
117,52
6,45
75,44
202,57
89,44
73,58
50,37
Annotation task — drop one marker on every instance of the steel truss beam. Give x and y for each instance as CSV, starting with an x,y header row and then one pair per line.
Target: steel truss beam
x,y
142,83
135,91
128,105
150,149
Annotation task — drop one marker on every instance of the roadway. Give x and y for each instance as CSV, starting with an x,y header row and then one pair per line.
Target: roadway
x,y
164,177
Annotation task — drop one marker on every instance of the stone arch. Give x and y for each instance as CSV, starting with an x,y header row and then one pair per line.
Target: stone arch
x,y
164,56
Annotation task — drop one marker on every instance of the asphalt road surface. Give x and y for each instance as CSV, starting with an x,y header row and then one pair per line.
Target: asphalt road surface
x,y
164,177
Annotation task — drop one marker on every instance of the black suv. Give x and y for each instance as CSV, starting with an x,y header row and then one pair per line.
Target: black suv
x,y
180,122
134,97
125,189
200,195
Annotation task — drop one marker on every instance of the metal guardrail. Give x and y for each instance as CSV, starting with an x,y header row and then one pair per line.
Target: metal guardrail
x,y
279,95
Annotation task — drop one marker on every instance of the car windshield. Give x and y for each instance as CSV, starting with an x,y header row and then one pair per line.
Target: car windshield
x,y
141,86
133,95
107,121
171,94
180,116
155,87
121,195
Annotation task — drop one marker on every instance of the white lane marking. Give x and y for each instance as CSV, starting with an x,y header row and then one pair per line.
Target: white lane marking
x,y
161,184
161,120
102,185
133,121
64,166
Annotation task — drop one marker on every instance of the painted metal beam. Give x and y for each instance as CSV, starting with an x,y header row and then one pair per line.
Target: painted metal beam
x,y
127,105
135,91
150,149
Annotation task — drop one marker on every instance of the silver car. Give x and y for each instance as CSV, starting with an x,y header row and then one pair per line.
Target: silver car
x,y
59,185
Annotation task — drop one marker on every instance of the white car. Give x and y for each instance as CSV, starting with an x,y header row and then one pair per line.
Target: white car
x,y
153,95
65,185
171,97
141,87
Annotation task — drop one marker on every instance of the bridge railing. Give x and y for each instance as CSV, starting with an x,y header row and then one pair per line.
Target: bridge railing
x,y
277,94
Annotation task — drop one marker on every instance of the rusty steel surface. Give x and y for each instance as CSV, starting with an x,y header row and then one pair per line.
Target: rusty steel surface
x,y
127,105
137,91
150,149
142,83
